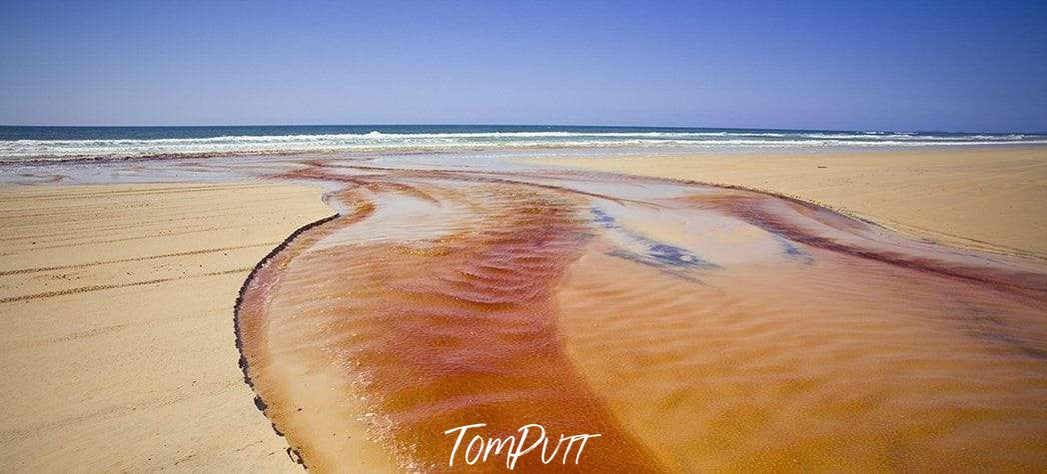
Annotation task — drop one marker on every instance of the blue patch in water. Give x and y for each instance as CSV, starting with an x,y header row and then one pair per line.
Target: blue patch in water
x,y
643,260
792,252
676,256
658,254
604,219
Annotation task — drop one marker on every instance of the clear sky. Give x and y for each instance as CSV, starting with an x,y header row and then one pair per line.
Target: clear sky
x,y
943,66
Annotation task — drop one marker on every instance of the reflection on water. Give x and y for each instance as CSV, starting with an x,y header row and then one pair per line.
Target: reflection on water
x,y
693,327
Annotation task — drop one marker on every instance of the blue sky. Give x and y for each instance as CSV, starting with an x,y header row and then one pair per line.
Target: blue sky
x,y
946,66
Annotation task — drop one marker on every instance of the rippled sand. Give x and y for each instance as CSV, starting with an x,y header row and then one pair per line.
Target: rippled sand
x,y
693,327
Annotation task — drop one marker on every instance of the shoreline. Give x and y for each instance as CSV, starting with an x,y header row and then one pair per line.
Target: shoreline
x,y
882,202
683,150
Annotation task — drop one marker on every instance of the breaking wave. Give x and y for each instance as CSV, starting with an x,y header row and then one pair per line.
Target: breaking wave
x,y
377,141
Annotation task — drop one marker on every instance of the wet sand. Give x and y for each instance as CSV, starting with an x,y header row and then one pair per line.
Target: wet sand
x,y
118,351
985,198
693,327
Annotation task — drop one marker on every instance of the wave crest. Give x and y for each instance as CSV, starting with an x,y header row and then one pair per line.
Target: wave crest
x,y
376,141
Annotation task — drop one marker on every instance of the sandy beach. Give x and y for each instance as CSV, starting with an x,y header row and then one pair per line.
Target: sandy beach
x,y
985,198
118,352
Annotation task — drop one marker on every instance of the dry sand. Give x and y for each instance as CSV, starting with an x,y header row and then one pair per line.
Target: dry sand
x,y
991,199
118,350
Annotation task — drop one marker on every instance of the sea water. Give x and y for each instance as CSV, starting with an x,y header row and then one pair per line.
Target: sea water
x,y
63,143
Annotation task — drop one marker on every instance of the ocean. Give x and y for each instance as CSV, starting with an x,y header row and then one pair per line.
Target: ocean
x,y
18,143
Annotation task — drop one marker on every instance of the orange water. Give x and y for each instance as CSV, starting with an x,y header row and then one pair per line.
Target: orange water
x,y
692,327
